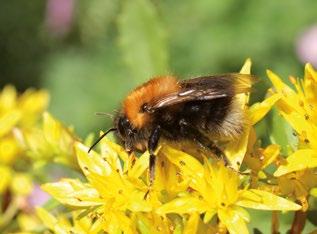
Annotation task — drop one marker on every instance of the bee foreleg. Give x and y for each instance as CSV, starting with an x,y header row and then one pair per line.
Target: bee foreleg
x,y
152,144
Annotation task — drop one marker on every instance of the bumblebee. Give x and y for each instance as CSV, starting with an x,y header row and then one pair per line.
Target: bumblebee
x,y
203,110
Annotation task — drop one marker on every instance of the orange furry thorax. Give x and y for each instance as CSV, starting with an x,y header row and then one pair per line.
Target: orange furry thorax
x,y
150,91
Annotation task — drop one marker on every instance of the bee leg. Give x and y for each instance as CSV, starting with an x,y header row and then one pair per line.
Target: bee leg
x,y
152,144
203,141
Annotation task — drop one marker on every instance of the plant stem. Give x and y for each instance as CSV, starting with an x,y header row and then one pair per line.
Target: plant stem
x,y
298,222
9,213
275,222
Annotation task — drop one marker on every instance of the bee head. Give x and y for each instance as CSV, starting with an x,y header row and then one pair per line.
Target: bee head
x,y
125,131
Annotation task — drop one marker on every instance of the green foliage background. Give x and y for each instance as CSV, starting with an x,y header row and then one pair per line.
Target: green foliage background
x,y
114,45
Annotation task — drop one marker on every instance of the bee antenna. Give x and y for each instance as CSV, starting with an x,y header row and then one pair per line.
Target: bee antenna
x,y
100,138
104,114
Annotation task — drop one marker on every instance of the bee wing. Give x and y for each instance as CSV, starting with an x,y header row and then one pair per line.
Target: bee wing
x,y
206,88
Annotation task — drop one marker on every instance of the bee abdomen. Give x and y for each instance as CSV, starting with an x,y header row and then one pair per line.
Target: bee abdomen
x,y
227,121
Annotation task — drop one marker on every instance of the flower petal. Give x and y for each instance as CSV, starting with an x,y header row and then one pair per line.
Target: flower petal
x,y
302,126
258,110
279,85
32,103
139,167
112,148
10,150
246,68
209,215
8,98
270,154
290,99
263,200
183,205
242,213
48,220
243,98
191,225
52,128
91,162
21,184
310,72
299,160
8,120
5,178
261,158
73,192
233,221
188,165
236,150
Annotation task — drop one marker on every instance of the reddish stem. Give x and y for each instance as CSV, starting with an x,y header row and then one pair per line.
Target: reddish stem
x,y
275,222
298,222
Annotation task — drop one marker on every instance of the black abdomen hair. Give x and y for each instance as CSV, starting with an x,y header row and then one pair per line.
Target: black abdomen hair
x,y
214,118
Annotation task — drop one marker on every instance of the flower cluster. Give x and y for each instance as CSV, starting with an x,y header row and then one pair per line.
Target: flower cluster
x,y
30,138
296,176
107,191
189,194
17,114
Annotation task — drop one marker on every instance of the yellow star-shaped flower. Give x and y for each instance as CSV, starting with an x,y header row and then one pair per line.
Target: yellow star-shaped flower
x,y
216,191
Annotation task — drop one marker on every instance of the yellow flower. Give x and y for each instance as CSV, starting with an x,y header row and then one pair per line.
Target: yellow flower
x,y
32,104
17,113
236,151
216,191
52,142
117,184
28,223
63,225
298,107
258,159
21,184
297,184
23,110
9,149
112,193
5,178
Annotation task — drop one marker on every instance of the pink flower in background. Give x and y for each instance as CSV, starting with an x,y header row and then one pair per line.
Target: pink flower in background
x,y
306,46
38,197
59,16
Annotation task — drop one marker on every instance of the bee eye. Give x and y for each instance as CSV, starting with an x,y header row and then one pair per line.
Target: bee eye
x,y
121,126
144,107
125,128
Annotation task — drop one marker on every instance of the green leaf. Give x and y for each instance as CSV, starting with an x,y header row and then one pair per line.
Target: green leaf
x,y
94,19
142,39
281,133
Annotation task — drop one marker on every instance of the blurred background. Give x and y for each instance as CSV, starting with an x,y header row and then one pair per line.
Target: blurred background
x,y
89,54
